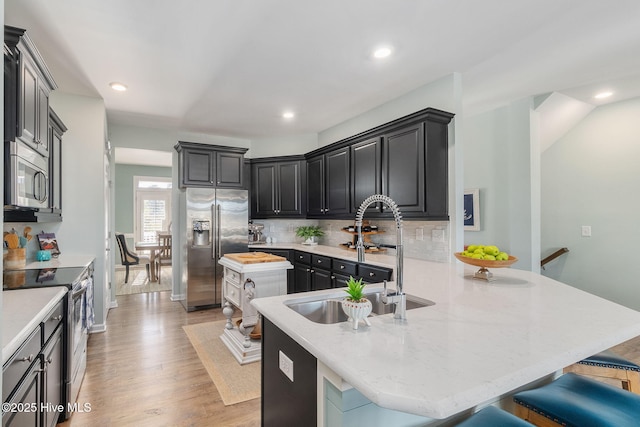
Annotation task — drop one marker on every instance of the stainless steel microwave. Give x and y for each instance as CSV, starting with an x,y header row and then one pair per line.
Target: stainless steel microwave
x,y
28,177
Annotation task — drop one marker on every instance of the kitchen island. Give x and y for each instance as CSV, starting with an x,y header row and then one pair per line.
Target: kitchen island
x,y
476,345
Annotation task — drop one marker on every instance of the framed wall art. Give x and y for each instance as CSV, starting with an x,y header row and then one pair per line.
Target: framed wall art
x,y
472,209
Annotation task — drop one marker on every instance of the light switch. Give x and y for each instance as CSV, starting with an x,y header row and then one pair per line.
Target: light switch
x,y
586,231
286,365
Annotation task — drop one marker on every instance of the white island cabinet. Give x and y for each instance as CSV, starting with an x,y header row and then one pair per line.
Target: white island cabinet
x,y
248,276
479,343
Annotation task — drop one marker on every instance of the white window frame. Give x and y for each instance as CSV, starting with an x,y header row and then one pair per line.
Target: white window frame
x,y
140,194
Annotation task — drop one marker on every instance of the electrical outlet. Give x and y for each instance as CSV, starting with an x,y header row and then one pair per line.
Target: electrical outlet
x,y
419,233
437,235
272,228
586,231
286,365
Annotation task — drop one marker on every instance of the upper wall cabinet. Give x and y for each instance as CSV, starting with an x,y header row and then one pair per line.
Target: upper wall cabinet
x,y
28,84
277,187
406,159
203,165
328,191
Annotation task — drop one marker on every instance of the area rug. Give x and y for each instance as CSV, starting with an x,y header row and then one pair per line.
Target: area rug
x,y
236,383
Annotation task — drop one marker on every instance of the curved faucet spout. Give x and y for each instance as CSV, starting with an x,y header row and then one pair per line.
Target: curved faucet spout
x,y
399,298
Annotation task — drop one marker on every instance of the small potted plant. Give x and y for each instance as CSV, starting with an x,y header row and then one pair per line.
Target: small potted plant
x,y
355,305
310,233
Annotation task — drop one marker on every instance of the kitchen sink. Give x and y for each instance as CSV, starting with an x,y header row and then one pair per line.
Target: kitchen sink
x,y
329,310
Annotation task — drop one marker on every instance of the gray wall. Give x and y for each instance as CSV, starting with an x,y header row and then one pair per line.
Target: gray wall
x,y
590,177
124,191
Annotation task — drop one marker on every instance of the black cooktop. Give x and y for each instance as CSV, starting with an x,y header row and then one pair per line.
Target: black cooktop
x,y
24,279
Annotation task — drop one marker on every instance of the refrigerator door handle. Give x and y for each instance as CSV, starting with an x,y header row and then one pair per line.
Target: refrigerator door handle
x,y
219,240
214,237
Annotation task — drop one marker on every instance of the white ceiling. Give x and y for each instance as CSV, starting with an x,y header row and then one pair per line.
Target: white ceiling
x,y
231,67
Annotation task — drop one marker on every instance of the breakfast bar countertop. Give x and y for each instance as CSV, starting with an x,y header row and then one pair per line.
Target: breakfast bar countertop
x,y
479,341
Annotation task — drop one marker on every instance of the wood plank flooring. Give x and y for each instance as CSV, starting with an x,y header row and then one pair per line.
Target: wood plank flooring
x,y
143,371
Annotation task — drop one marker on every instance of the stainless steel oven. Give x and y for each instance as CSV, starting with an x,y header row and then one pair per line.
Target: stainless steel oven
x,y
27,177
80,321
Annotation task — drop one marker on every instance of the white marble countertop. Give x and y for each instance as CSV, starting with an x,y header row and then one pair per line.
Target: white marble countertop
x,y
62,261
22,311
479,341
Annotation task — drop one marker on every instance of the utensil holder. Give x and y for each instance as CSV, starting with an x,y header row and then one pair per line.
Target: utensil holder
x,y
15,258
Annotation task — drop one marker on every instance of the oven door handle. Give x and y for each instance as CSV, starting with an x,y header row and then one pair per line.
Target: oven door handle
x,y
79,293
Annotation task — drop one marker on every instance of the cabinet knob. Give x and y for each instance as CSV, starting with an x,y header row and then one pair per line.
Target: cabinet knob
x,y
29,358
319,261
372,274
342,267
57,318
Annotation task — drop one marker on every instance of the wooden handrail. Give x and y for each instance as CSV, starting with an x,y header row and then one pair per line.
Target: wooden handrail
x,y
553,256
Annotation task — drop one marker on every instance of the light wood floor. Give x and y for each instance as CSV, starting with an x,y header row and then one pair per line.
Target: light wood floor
x,y
139,282
143,371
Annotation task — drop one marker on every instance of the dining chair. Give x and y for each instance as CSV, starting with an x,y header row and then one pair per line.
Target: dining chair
x,y
130,258
163,256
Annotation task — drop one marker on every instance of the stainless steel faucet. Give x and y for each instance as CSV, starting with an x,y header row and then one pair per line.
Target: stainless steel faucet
x,y
398,298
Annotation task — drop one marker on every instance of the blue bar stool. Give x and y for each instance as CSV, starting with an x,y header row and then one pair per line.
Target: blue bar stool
x,y
609,365
574,400
493,417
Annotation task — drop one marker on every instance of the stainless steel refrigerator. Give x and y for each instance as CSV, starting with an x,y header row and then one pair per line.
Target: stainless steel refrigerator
x,y
215,222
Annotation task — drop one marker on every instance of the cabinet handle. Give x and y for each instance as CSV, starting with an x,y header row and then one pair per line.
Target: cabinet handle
x,y
29,358
57,318
372,274
333,277
49,360
319,261
211,182
342,267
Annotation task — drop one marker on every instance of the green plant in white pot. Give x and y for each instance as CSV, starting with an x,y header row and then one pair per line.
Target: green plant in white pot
x,y
356,305
310,233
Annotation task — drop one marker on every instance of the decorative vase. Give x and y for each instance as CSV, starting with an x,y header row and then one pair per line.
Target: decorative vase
x,y
357,311
311,241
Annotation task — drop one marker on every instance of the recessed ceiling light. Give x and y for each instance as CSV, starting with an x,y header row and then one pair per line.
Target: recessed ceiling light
x,y
288,115
603,95
382,52
118,86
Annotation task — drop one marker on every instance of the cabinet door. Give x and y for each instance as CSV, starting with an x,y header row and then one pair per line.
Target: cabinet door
x,y
320,279
315,186
28,102
197,168
337,193
436,170
403,167
27,396
55,169
263,192
302,278
43,121
366,175
229,170
289,189
53,380
339,280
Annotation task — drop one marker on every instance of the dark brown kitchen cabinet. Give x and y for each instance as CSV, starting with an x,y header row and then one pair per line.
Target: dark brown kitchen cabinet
x,y
29,83
289,390
403,167
366,172
56,130
328,192
277,187
203,165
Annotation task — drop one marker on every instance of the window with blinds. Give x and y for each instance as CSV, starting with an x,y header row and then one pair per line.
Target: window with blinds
x,y
153,207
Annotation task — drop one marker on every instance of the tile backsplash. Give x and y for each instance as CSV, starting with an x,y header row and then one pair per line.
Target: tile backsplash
x,y
426,240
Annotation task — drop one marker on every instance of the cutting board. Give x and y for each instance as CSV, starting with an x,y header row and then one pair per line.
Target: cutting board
x,y
254,257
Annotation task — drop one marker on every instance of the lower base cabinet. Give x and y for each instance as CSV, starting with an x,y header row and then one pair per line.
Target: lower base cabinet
x,y
288,398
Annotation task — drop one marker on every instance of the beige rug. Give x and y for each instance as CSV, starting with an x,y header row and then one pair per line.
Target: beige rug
x,y
236,383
